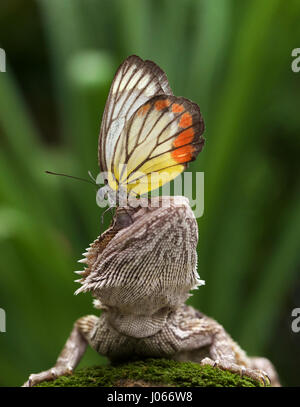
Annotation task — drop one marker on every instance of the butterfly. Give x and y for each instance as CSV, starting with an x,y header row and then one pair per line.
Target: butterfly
x,y
147,136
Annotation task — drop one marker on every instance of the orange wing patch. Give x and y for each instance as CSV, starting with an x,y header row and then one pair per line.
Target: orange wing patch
x,y
161,104
176,108
186,120
144,109
162,138
183,154
185,137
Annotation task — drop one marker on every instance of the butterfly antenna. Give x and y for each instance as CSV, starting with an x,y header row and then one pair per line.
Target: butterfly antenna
x,y
71,176
91,176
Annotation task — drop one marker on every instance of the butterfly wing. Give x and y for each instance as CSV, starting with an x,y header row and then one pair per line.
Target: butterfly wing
x,y
157,143
136,81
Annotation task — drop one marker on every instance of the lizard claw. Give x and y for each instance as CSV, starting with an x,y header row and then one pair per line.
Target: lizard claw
x,y
243,371
48,375
265,378
257,375
216,363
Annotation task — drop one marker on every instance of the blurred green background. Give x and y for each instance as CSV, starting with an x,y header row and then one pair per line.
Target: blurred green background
x,y
234,59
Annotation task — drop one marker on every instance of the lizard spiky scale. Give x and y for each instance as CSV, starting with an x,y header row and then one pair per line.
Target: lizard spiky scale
x,y
140,272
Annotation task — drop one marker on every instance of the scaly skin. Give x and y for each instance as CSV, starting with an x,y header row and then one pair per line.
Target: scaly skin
x,y
140,272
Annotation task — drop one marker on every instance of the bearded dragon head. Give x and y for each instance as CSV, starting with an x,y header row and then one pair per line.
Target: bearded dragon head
x,y
146,260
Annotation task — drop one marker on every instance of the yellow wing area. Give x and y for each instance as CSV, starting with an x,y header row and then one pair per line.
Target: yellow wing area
x,y
154,180
156,144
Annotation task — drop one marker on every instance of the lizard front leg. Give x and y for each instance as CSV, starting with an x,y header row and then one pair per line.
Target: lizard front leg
x,y
219,350
225,364
71,354
227,355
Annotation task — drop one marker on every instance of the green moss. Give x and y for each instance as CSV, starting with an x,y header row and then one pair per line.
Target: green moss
x,y
153,372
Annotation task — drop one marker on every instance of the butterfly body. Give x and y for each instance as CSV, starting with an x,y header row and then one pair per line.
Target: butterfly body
x,y
117,197
147,135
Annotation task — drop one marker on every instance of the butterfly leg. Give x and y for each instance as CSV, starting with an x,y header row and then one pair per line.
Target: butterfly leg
x,y
106,210
71,354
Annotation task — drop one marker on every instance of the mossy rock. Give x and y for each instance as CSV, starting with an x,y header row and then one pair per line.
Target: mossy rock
x,y
152,372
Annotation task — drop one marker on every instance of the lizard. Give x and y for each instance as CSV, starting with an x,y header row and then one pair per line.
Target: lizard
x,y
140,272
